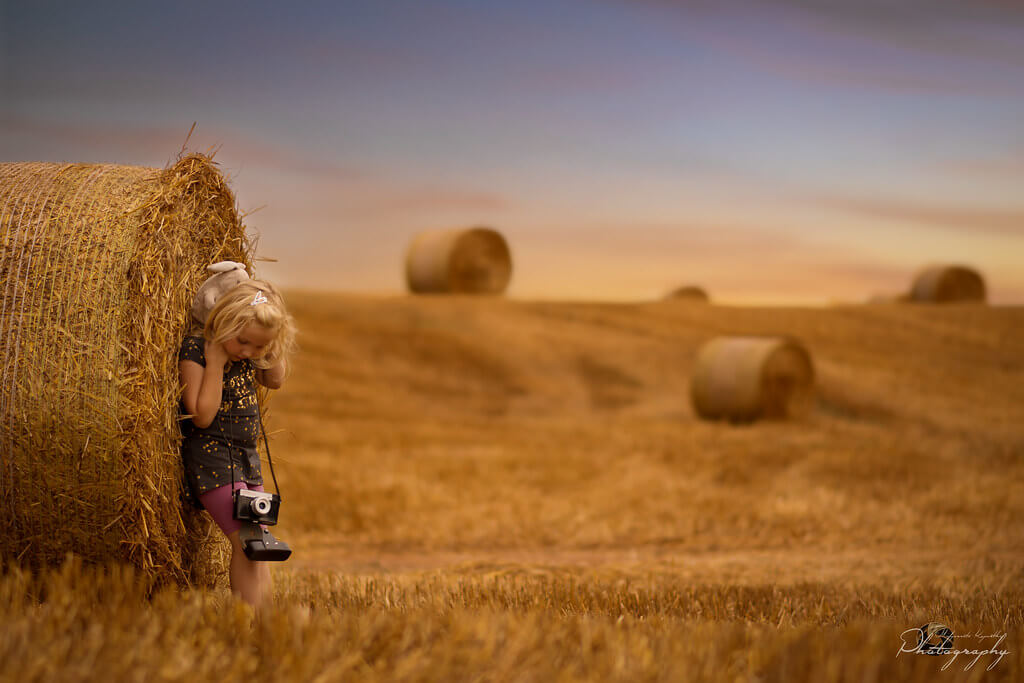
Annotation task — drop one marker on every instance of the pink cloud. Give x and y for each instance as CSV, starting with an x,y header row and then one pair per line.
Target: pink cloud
x,y
428,198
1007,221
1007,166
81,141
900,47
115,141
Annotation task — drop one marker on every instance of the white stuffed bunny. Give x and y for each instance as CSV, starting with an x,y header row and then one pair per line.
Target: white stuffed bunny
x,y
226,274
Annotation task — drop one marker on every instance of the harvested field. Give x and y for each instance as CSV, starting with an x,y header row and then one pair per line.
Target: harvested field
x,y
485,489
443,627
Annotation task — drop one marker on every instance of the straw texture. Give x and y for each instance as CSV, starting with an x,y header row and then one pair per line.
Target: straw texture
x,y
98,267
941,284
745,378
472,261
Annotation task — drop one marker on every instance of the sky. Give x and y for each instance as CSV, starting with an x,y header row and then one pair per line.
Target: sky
x,y
778,151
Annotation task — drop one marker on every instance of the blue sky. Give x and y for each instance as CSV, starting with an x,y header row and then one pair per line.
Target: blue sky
x,y
769,151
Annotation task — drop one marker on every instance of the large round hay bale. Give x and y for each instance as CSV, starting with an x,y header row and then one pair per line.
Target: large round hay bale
x,y
471,261
745,378
688,293
98,267
943,284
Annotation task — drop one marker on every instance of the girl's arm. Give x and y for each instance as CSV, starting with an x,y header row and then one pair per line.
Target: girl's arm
x,y
202,387
272,377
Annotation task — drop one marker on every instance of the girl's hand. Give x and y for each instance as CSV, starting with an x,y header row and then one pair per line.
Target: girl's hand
x,y
216,354
272,377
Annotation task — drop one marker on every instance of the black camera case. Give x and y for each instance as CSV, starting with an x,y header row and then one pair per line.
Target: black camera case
x,y
259,545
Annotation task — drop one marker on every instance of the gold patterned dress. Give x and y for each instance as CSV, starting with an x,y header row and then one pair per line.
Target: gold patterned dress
x,y
209,453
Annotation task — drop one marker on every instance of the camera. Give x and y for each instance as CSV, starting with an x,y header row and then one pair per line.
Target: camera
x,y
256,510
257,506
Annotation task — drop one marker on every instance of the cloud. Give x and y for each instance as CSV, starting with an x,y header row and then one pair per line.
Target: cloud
x,y
1009,166
158,145
734,261
355,190
920,21
927,46
980,29
78,141
432,197
1007,222
372,195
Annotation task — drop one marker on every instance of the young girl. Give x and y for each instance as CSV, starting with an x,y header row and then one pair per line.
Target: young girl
x,y
246,339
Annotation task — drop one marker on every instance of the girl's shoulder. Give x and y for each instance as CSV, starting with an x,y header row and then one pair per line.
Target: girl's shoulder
x,y
193,349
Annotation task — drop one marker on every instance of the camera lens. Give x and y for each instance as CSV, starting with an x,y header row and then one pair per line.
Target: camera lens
x,y
261,506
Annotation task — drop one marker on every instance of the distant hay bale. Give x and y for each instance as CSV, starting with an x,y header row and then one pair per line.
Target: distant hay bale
x,y
688,293
944,284
98,267
745,378
471,261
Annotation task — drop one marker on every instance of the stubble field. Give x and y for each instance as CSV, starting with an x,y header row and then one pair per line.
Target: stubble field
x,y
502,490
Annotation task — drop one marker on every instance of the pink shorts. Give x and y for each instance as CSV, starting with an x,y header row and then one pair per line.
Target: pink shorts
x,y
220,506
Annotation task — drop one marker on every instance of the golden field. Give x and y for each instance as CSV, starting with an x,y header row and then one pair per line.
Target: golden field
x,y
489,490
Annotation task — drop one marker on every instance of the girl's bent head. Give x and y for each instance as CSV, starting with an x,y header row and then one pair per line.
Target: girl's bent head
x,y
251,321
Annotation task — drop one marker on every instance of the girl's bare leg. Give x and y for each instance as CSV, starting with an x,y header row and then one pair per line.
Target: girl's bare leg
x,y
249,580
268,583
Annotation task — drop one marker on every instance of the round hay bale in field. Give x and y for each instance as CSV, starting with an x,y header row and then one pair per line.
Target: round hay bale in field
x,y
745,378
98,267
944,284
688,293
472,261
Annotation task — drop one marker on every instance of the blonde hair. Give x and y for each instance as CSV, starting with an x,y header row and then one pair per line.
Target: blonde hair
x,y
253,301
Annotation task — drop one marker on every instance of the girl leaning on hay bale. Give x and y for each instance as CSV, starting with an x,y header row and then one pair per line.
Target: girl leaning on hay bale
x,y
246,339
